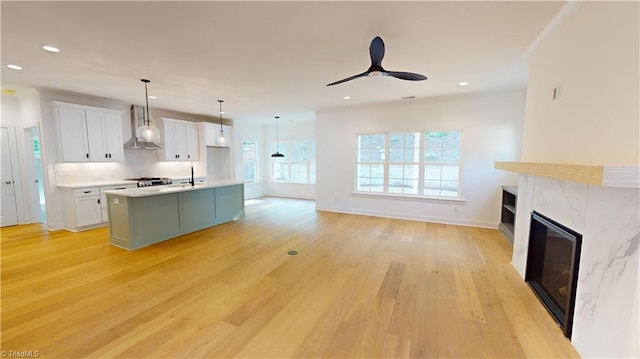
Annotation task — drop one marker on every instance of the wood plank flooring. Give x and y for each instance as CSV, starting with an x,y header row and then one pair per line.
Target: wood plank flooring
x,y
359,287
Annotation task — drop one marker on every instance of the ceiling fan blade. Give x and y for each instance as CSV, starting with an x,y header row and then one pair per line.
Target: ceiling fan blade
x,y
410,76
376,51
348,79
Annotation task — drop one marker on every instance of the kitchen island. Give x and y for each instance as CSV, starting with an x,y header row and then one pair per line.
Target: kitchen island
x,y
139,217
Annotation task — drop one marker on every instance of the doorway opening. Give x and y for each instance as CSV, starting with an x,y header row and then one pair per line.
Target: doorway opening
x,y
36,181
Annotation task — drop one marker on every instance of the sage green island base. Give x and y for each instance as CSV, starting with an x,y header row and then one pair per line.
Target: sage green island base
x,y
139,217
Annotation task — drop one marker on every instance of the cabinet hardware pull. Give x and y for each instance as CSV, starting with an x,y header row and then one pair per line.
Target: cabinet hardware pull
x,y
87,155
106,155
98,200
87,191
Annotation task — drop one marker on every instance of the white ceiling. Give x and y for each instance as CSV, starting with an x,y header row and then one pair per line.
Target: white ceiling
x,y
267,58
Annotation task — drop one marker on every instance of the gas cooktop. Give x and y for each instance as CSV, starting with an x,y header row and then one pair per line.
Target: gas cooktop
x,y
151,181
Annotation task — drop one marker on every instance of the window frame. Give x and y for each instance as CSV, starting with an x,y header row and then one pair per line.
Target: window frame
x,y
421,168
256,162
309,163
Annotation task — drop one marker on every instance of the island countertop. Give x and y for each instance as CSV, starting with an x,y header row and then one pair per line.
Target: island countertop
x,y
174,188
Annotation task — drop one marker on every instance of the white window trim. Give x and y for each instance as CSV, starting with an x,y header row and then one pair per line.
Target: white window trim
x,y
421,165
409,197
258,178
291,163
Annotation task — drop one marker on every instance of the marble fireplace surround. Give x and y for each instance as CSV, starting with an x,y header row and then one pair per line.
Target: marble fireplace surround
x,y
603,204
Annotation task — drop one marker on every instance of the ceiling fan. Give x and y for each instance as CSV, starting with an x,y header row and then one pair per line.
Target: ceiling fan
x,y
376,51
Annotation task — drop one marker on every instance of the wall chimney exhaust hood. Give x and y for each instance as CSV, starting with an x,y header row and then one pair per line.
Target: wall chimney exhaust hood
x,y
138,121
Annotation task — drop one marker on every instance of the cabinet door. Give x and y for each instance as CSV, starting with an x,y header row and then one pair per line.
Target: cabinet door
x,y
169,148
73,134
95,135
193,143
88,211
112,126
175,141
104,136
181,141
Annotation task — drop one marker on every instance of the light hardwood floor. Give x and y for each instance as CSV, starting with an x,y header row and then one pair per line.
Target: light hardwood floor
x,y
359,286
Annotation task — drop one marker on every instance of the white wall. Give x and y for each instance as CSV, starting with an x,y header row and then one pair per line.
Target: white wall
x,y
10,110
492,127
593,53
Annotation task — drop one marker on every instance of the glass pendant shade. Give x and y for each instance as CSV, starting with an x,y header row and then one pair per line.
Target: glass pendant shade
x,y
221,140
148,133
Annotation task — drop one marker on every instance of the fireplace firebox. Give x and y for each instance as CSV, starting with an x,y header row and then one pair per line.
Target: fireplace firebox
x,y
552,267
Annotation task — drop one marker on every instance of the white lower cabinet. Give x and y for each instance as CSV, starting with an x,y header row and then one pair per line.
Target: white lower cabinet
x,y
86,208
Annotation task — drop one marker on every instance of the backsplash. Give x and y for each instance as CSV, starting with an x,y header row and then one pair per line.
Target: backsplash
x,y
138,163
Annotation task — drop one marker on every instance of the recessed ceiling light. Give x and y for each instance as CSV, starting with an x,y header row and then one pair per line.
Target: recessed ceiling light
x,y
151,97
463,83
14,67
347,97
51,48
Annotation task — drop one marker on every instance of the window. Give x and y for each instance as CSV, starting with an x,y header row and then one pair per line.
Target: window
x,y
371,161
250,161
411,163
298,164
442,156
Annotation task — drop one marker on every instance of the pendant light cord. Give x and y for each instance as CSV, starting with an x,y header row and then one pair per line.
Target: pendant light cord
x,y
277,136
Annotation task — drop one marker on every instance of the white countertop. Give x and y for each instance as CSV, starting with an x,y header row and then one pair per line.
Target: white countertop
x,y
98,184
175,188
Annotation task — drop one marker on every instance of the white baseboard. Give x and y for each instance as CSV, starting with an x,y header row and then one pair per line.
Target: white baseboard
x,y
441,220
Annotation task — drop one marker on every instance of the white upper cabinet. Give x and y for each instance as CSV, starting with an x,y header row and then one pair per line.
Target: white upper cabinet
x,y
73,134
105,136
89,134
213,132
181,141
193,142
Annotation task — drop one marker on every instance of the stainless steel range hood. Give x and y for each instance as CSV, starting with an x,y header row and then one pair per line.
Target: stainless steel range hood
x,y
138,120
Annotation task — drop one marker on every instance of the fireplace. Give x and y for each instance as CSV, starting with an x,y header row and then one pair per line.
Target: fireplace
x,y
552,267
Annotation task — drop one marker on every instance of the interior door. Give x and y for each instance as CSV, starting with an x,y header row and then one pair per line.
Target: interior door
x,y
9,214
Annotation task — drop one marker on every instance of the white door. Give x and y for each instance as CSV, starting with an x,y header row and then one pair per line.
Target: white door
x,y
9,214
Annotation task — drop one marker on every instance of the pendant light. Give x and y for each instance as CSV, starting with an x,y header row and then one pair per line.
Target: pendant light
x,y
146,132
221,141
277,154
